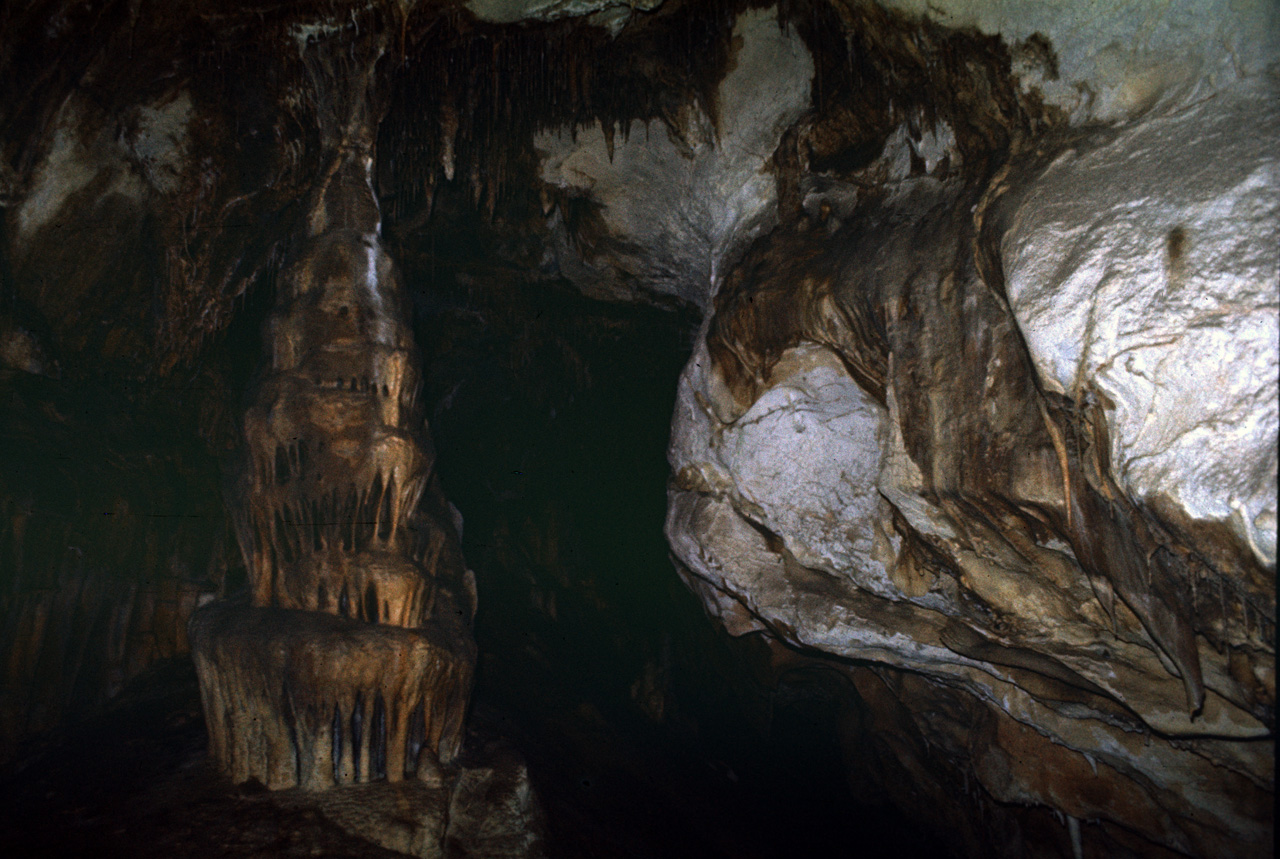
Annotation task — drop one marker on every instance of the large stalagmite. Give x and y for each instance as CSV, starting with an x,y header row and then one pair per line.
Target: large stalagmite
x,y
354,657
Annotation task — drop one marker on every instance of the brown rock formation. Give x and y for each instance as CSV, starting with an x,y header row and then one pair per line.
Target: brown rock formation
x,y
354,656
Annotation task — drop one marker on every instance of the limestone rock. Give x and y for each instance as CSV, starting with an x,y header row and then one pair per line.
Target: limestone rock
x,y
775,460
509,11
982,414
879,458
1116,65
353,661
675,203
1144,269
310,699
493,810
483,808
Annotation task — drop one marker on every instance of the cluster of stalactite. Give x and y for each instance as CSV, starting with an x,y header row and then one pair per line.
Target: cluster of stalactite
x,y
337,463
313,700
463,102
489,89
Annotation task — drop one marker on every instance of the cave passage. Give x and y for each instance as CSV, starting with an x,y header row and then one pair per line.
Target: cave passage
x,y
647,731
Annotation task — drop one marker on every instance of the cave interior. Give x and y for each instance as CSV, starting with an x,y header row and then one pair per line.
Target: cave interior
x,y
710,428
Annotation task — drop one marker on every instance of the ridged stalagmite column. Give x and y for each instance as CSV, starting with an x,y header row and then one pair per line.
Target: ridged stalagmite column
x,y
354,656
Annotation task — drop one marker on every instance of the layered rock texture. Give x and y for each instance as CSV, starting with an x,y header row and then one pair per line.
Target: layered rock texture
x,y
353,660
983,409
979,421
999,438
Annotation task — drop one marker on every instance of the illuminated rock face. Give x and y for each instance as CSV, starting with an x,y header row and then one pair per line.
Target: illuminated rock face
x,y
683,201
984,414
354,657
1005,448
1146,270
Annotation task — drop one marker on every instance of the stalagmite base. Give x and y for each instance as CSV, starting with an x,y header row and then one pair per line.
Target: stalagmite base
x,y
312,700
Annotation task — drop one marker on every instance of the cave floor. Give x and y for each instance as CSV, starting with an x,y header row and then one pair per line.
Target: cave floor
x,y
135,782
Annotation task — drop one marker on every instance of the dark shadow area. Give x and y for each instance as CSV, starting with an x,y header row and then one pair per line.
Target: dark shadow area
x,y
648,731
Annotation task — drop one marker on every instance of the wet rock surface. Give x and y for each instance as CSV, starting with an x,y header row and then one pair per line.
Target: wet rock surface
x,y
1156,291
888,480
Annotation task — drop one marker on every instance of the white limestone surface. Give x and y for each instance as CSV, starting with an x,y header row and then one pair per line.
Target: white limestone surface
x,y
158,141
64,170
510,11
1118,60
1146,269
682,202
802,461
147,150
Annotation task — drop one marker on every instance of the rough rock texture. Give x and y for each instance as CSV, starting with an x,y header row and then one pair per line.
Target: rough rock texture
x,y
484,807
338,508
611,14
1118,63
677,199
980,420
123,249
485,811
1001,443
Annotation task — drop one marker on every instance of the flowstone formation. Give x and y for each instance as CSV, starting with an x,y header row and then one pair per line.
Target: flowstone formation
x,y
983,411
353,660
992,426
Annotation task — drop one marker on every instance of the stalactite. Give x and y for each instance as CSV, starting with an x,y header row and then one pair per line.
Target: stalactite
x,y
493,88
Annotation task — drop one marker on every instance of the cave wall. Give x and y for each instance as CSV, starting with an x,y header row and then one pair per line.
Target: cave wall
x,y
967,419
135,186
981,410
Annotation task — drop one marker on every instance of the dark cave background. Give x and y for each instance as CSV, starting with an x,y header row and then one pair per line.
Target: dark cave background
x,y
648,731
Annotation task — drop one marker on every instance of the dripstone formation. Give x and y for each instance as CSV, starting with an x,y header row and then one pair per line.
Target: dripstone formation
x,y
353,660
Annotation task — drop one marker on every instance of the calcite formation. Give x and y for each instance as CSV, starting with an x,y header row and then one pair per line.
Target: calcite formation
x,y
1145,270
1003,446
986,416
716,165
353,658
